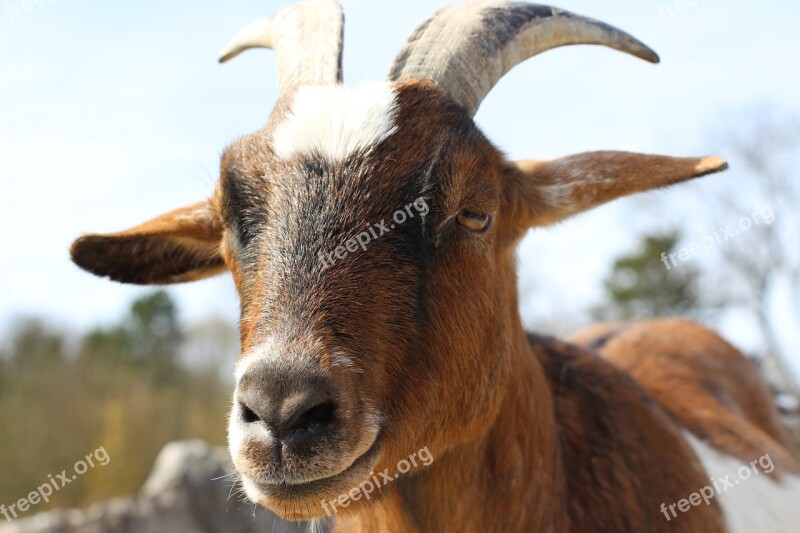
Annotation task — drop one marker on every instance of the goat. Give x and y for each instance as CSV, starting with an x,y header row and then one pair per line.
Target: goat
x,y
359,354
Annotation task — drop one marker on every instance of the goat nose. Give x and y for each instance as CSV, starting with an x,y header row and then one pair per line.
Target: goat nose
x,y
293,414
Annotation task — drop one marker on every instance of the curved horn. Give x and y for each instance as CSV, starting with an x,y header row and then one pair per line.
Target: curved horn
x,y
467,48
307,38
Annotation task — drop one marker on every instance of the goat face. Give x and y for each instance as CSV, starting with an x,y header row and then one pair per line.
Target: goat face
x,y
372,282
370,233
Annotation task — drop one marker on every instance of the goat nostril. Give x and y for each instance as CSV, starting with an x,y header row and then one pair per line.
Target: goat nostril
x,y
248,415
294,416
317,416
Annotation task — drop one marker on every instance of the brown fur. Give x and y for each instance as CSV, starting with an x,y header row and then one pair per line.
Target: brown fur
x,y
703,382
528,433
182,245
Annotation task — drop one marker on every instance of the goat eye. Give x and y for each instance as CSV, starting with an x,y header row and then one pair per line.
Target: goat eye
x,y
473,221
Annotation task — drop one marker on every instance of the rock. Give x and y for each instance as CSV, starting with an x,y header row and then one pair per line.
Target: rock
x,y
187,492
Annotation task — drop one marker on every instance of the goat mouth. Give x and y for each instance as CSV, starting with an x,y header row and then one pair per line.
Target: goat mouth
x,y
341,482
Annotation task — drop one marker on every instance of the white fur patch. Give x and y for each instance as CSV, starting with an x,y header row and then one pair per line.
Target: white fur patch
x,y
236,433
755,503
334,121
262,352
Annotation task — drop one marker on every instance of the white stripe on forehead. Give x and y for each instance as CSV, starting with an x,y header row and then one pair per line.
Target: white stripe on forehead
x,y
334,121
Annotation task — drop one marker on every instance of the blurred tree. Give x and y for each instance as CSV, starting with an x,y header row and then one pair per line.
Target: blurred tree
x,y
35,345
761,264
751,256
148,338
640,285
154,334
212,343
108,347
33,404
5,369
123,388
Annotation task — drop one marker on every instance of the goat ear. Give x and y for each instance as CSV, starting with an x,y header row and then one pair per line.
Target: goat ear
x,y
544,192
182,245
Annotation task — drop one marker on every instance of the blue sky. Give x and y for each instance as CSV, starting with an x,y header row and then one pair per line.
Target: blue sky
x,y
112,112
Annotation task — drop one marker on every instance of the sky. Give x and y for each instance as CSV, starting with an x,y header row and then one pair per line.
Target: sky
x,y
113,112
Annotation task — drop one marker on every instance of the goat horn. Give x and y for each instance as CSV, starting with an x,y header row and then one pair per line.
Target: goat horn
x,y
467,48
307,38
